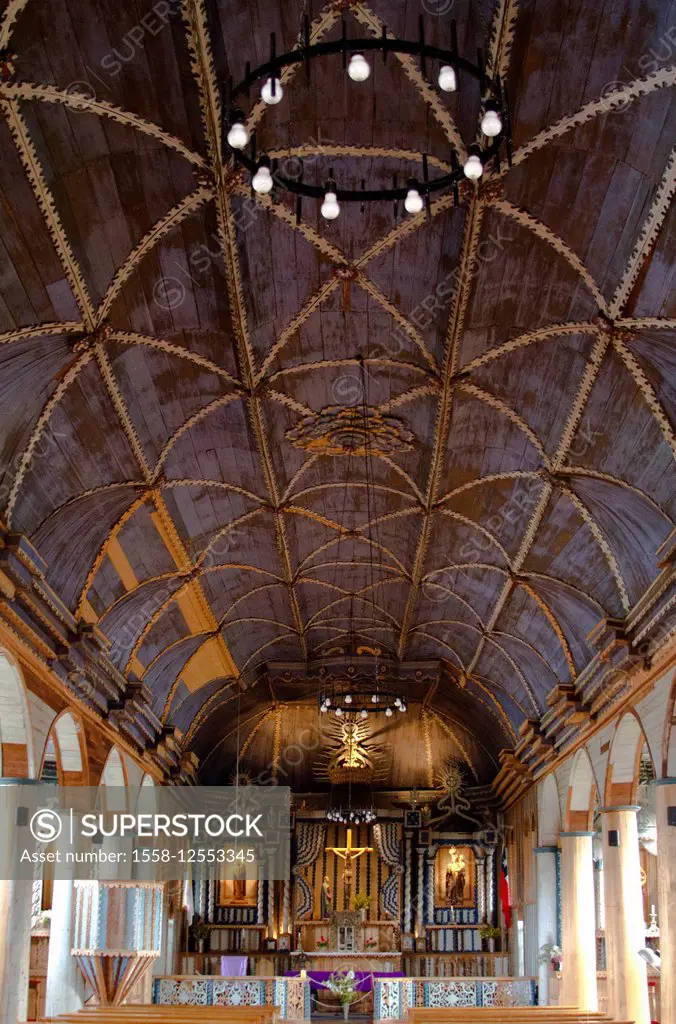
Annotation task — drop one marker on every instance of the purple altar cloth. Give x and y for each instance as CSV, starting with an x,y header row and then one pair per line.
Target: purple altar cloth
x,y
363,979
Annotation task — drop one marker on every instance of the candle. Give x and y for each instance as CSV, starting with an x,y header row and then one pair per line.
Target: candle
x,y
303,974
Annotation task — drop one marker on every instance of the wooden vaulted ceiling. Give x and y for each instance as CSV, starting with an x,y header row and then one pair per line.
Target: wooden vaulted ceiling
x,y
163,332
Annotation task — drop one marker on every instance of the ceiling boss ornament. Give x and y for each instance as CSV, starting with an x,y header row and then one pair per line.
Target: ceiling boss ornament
x,y
351,430
451,71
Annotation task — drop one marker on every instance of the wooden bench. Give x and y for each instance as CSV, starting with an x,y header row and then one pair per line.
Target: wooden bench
x,y
170,1014
508,1015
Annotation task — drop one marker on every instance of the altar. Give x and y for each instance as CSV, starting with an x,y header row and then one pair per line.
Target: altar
x,y
334,960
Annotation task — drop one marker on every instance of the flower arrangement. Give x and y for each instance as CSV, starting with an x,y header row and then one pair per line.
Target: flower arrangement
x,y
551,954
361,901
322,942
371,943
42,920
342,984
489,931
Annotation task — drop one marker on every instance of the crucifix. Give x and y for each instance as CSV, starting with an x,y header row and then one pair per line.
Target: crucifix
x,y
348,853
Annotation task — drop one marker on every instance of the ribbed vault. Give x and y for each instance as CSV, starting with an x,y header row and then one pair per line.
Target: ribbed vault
x,y
162,333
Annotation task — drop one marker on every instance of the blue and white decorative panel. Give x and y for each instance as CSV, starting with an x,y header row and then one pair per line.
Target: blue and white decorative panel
x,y
393,997
291,995
516,992
450,993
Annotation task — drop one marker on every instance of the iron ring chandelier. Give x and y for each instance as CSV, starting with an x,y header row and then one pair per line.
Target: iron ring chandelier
x,y
494,123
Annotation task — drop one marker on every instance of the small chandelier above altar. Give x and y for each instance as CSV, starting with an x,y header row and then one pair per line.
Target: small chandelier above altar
x,y
362,704
352,815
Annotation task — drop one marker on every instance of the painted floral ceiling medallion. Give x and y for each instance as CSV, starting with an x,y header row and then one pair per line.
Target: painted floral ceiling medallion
x,y
351,430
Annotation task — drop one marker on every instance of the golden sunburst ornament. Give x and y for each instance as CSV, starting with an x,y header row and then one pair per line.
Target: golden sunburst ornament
x,y
351,430
450,778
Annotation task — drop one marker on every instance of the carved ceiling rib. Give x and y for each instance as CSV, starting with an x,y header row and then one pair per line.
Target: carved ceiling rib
x,y
43,195
164,225
617,99
542,334
595,474
470,241
195,20
40,330
452,735
130,338
9,16
43,420
602,543
545,234
77,101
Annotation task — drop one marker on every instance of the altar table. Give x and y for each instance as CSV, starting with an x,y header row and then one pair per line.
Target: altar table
x,y
363,979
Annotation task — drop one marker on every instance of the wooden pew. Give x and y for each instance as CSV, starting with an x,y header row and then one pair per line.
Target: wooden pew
x,y
508,1015
169,1015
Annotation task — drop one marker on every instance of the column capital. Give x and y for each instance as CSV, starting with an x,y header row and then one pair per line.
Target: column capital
x,y
575,835
546,849
620,807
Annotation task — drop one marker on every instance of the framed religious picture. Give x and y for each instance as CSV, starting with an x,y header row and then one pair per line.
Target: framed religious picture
x,y
238,891
412,819
270,945
455,877
284,942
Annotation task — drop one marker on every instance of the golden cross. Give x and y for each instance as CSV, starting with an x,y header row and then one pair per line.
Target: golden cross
x,y
349,853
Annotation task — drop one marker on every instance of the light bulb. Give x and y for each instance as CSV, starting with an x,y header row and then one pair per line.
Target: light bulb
x,y
330,208
402,706
473,168
323,709
374,698
267,95
238,136
339,712
348,699
262,180
327,701
447,80
358,68
413,203
388,712
364,713
397,701
491,125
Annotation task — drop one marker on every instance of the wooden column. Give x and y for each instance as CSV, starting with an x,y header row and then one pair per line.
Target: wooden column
x,y
625,926
579,938
665,794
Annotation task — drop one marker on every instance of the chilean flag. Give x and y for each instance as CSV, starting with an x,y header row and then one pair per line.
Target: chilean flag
x,y
504,891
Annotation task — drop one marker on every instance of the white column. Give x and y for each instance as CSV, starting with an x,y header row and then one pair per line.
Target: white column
x,y
65,983
665,798
579,937
545,875
625,926
15,907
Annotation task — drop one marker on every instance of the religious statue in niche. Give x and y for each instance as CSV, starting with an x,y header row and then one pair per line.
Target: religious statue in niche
x,y
327,898
455,877
238,891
